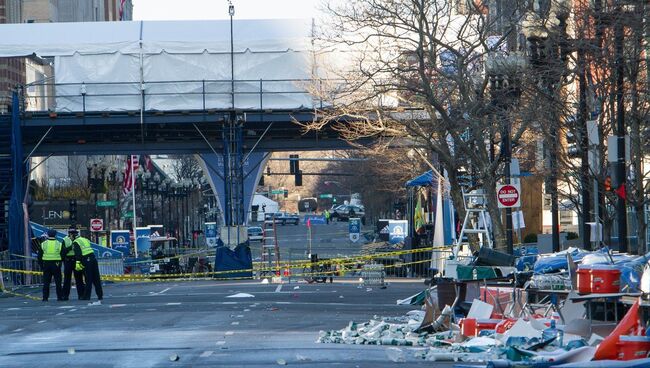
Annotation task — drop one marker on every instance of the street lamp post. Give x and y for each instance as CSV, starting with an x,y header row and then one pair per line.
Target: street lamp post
x,y
96,178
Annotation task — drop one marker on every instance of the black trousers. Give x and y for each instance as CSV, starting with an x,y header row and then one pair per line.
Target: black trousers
x,y
68,271
52,269
91,273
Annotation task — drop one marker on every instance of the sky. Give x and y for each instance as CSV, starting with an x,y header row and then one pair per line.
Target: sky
x,y
218,9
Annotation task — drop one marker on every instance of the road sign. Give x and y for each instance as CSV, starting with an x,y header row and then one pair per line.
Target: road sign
x,y
509,196
96,224
128,214
106,203
277,191
324,196
354,228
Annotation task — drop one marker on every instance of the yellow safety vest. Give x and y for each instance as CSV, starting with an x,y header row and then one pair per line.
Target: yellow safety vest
x,y
84,245
67,243
51,250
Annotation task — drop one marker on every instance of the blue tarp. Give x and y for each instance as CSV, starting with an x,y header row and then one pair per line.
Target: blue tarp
x,y
558,261
100,252
423,180
230,260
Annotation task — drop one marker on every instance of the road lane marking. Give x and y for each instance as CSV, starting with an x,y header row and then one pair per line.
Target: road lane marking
x,y
278,289
206,353
222,342
161,292
173,304
229,333
235,323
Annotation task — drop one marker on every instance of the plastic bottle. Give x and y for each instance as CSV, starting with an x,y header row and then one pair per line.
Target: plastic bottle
x,y
560,338
550,332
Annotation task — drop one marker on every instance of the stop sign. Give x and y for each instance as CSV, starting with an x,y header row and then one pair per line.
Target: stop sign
x,y
508,195
96,224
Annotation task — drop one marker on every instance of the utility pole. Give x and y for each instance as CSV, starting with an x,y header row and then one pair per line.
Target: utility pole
x,y
621,208
584,151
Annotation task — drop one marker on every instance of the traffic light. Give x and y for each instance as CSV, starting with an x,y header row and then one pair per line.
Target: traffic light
x,y
286,193
298,178
294,164
72,208
608,183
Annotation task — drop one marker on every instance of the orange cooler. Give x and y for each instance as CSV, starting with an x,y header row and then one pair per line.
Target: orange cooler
x,y
584,280
605,279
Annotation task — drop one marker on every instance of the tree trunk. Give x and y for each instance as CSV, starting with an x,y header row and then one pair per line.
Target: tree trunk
x,y
489,185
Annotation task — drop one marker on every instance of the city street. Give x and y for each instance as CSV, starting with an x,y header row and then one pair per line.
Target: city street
x,y
143,325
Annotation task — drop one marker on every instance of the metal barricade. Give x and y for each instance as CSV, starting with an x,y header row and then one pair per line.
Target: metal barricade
x,y
111,266
15,273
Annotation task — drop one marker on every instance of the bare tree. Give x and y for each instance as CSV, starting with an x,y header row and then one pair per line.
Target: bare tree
x,y
428,56
186,167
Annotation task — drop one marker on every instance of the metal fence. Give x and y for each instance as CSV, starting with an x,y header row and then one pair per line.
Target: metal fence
x,y
25,271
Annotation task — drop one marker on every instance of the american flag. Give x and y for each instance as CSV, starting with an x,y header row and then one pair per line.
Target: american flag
x,y
128,182
122,9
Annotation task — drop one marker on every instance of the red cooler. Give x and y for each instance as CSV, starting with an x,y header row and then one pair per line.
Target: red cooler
x,y
605,279
584,280
486,324
468,327
633,347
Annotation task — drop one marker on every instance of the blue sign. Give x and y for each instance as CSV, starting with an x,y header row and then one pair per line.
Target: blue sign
x,y
315,220
398,230
121,241
354,228
142,239
211,233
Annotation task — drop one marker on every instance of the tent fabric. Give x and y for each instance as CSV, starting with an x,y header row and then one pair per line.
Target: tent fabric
x,y
58,39
423,180
231,260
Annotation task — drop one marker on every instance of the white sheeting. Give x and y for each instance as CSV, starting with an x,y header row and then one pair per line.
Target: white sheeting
x,y
56,39
183,65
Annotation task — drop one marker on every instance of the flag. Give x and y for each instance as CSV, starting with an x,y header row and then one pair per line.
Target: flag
x,y
134,161
418,217
439,230
122,9
621,191
148,163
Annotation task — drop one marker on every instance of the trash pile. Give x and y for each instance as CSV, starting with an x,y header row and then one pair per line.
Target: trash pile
x,y
554,334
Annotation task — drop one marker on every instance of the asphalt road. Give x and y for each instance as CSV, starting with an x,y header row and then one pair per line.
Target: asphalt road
x,y
144,324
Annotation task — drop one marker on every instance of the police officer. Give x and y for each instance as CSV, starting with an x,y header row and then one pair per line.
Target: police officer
x,y
50,255
69,266
86,262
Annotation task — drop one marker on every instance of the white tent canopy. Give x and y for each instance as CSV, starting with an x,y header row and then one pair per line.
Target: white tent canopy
x,y
213,36
171,65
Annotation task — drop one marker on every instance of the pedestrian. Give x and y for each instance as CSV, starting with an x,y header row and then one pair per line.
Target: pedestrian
x,y
69,266
327,217
86,262
49,256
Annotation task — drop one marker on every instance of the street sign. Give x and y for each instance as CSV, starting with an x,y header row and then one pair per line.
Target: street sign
x,y
354,228
509,196
277,191
128,214
106,203
324,196
96,224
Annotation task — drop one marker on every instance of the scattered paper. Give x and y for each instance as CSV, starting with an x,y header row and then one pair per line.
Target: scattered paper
x,y
241,295
521,328
480,310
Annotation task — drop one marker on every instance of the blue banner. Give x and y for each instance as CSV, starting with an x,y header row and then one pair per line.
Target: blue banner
x,y
314,220
142,239
354,228
398,230
210,230
121,241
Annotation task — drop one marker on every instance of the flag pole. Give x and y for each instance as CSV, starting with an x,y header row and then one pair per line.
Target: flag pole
x,y
135,217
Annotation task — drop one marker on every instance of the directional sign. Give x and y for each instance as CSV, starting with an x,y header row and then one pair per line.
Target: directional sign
x,y
128,214
106,203
277,191
96,224
354,227
509,196
324,196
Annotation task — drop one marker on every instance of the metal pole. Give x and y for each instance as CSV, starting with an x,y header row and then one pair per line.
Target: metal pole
x,y
231,11
584,153
621,208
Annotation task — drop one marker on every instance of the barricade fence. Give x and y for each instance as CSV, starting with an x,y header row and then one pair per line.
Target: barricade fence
x,y
295,265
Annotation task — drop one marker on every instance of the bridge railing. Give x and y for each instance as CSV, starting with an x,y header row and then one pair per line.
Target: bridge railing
x,y
180,95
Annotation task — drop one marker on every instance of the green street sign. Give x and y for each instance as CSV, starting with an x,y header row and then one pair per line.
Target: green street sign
x,y
277,191
106,203
128,214
323,196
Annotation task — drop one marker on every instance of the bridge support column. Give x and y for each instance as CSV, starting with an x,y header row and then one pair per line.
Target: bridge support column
x,y
17,221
